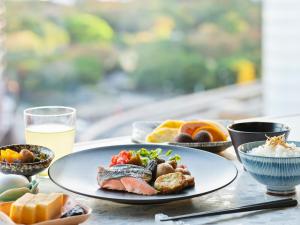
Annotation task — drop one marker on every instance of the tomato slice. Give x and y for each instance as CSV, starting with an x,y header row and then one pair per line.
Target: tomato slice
x,y
122,158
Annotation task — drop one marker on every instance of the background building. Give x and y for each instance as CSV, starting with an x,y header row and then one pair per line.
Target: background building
x,y
281,57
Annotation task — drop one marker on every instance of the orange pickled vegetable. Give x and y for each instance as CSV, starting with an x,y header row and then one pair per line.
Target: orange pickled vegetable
x,y
9,155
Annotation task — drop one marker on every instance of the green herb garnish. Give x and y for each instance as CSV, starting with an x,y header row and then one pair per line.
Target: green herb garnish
x,y
147,155
169,152
175,157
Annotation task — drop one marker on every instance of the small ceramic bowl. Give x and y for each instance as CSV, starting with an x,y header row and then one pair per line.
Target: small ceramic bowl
x,y
27,169
279,174
246,132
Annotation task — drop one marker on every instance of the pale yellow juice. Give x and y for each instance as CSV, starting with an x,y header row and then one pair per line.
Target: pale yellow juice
x,y
57,137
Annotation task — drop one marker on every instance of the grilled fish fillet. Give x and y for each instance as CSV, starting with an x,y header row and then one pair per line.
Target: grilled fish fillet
x,y
130,178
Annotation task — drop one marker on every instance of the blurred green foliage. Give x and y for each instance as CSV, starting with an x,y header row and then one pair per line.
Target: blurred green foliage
x,y
88,28
163,47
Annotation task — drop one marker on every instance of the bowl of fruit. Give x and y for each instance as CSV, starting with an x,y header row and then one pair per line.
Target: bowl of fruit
x,y
26,160
209,135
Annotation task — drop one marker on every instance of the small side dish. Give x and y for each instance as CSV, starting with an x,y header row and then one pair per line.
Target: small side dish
x,y
42,208
14,186
26,160
145,172
196,131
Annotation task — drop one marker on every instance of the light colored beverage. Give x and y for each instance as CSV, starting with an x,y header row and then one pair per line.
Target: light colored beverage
x,y
57,137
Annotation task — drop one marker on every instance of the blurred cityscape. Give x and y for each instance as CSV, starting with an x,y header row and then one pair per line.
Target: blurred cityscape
x,y
121,61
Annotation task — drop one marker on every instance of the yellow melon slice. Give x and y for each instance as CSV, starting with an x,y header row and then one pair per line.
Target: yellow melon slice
x,y
161,135
170,124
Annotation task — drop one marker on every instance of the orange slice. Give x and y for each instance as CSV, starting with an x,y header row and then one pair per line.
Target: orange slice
x,y
191,126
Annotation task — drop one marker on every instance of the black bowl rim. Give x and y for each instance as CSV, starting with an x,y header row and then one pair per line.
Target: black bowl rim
x,y
266,157
50,158
287,128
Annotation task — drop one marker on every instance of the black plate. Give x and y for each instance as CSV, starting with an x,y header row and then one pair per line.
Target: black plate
x,y
77,173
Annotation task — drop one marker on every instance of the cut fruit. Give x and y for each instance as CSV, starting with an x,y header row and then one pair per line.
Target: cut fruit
x,y
202,136
170,124
162,135
193,127
217,134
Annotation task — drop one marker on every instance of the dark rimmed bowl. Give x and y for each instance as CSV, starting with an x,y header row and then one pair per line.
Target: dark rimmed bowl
x,y
279,174
246,132
27,169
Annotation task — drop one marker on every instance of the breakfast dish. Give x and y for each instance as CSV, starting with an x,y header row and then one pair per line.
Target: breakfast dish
x,y
44,209
14,186
188,131
78,173
206,135
145,172
276,147
274,163
26,160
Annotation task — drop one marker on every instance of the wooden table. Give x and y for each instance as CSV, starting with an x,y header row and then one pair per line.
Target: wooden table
x,y
244,190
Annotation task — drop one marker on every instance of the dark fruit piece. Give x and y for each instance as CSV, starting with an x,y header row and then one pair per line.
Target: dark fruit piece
x,y
203,136
26,156
183,138
76,211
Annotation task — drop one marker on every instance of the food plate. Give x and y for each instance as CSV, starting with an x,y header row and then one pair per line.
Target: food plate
x,y
77,173
68,204
142,128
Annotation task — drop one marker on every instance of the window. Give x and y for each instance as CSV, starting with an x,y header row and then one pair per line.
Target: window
x,y
106,57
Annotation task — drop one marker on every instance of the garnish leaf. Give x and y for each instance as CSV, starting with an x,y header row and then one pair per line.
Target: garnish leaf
x,y
175,157
169,152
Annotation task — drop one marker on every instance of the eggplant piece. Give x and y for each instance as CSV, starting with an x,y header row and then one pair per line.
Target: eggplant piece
x,y
159,160
76,211
152,166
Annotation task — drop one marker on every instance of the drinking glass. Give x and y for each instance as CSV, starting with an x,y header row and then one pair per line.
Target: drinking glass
x,y
52,127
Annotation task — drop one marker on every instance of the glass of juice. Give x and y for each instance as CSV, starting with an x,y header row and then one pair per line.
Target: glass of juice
x,y
52,127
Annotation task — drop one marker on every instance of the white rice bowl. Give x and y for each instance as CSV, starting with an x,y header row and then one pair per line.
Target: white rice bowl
x,y
276,151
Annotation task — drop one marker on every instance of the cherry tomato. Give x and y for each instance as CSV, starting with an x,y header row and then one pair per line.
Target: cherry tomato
x,y
122,158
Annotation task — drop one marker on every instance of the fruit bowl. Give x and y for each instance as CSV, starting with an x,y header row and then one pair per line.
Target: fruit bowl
x,y
215,147
142,128
27,169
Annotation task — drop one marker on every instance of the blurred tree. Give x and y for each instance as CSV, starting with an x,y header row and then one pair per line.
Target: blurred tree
x,y
169,47
88,69
165,67
88,28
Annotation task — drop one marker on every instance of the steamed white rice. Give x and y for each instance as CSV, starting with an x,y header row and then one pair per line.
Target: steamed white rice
x,y
276,151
